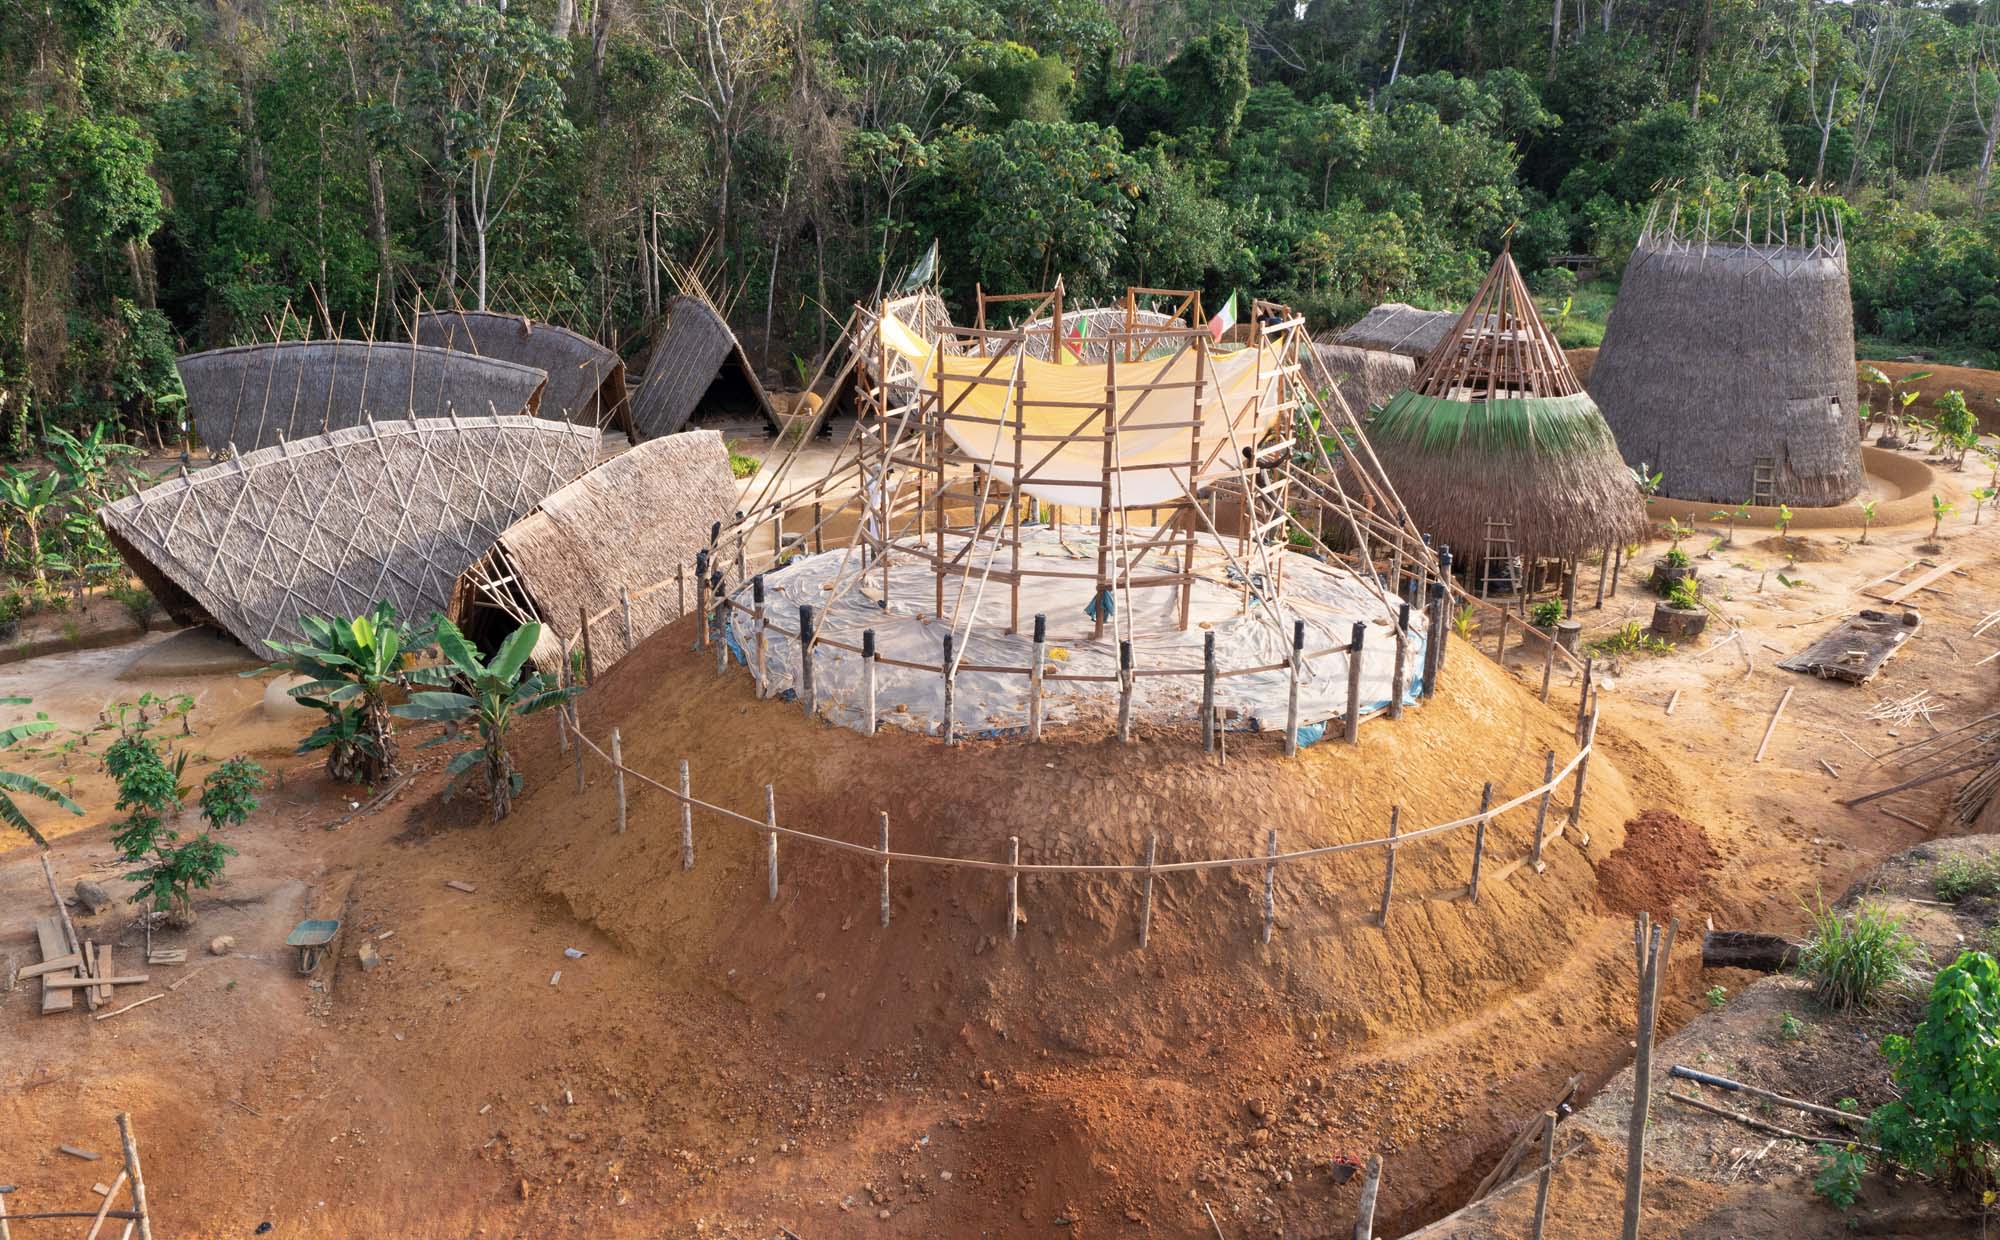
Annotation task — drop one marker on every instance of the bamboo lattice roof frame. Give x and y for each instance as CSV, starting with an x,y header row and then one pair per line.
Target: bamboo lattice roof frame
x,y
1499,348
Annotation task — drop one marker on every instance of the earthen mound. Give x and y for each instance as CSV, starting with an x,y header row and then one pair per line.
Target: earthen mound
x,y
1664,860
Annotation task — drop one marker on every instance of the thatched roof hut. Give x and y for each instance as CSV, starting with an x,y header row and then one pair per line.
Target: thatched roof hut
x,y
635,522
1725,353
1497,428
695,360
253,395
586,380
1393,327
1367,378
333,524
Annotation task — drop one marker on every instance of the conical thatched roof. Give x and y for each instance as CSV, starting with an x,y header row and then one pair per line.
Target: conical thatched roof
x,y
634,521
1497,428
586,380
1393,327
1727,348
1367,378
331,525
254,395
692,348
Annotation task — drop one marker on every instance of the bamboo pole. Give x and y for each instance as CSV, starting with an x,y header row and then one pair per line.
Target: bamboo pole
x,y
950,692
1292,699
1354,645
1542,811
771,821
618,775
589,659
885,868
1546,1176
1654,950
1125,681
1389,867
1208,691
1583,766
1146,904
701,598
131,1145
1013,887
1772,726
806,693
1271,886
1399,676
687,820
625,607
869,664
1479,839
1035,677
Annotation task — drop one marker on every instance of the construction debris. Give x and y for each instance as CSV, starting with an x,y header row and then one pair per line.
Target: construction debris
x,y
1857,648
1903,711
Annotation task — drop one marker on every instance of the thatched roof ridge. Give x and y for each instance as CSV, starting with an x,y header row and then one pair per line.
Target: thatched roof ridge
x,y
586,380
253,395
690,347
1719,354
1547,464
1397,328
1367,378
333,524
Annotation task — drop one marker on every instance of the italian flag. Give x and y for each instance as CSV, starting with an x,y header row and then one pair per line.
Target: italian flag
x,y
1224,319
1076,334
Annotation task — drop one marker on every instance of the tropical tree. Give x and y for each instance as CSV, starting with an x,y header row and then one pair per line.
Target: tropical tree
x,y
12,782
350,666
1955,425
88,464
1940,509
492,694
32,496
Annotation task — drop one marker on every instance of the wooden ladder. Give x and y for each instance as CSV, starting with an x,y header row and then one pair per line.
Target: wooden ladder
x,y
1499,547
1764,482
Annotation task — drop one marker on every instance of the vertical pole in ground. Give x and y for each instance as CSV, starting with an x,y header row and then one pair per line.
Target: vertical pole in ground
x,y
1270,884
1035,677
701,599
885,867
1549,665
950,694
1444,613
589,659
687,820
1582,766
1432,640
1208,691
1399,677
1479,839
1617,568
1547,1173
763,645
819,542
1603,575
1013,887
576,724
1542,813
1389,868
625,607
1653,951
1292,701
721,625
680,590
1360,635
1371,1188
1125,679
806,659
1146,905
1500,646
131,1145
742,537
618,775
1583,696
1570,571
868,663
771,823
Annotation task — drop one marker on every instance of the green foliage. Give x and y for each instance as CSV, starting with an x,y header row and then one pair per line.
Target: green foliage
x,y
1632,638
1716,996
1546,614
1940,509
741,465
148,792
1960,877
1855,958
1946,1121
1684,593
350,666
1838,1179
1675,558
1791,1028
16,782
178,869
229,794
491,695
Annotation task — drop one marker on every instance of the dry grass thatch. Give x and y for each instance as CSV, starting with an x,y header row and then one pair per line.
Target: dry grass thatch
x,y
633,521
1718,354
1367,378
331,525
1393,327
586,380
252,396
690,350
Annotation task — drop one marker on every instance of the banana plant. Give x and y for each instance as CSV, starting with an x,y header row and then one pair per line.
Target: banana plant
x,y
1940,509
12,782
1732,515
1867,517
88,464
32,498
491,694
350,667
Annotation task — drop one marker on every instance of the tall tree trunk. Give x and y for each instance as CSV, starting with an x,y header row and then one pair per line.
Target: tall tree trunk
x,y
1979,187
378,232
1402,40
1702,36
1826,132
564,20
1555,36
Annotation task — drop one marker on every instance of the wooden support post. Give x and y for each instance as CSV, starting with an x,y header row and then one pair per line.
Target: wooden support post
x,y
1479,839
1654,951
680,590
1432,640
1355,641
868,666
1146,904
1772,726
1399,681
1035,677
1617,568
1570,571
1542,812
1270,885
1500,646
806,694
618,774
771,823
687,820
1444,615
1389,867
589,659
1603,572
1371,1188
885,868
1125,683
701,599
1583,696
950,694
576,750
1013,887
1292,701
131,1145
625,608
1549,665
819,518
1208,691
760,660
1582,767
722,627
1546,1174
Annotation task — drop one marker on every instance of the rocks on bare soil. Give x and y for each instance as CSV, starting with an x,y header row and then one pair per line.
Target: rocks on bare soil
x,y
222,945
94,898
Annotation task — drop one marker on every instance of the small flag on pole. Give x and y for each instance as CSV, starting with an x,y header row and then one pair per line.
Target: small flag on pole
x,y
1224,319
925,269
1077,332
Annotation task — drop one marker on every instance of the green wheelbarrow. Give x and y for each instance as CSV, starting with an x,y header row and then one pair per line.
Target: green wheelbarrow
x,y
311,938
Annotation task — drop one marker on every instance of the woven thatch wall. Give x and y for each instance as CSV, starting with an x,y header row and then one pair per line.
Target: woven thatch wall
x,y
253,395
1717,355
632,522
333,524
690,349
1367,378
1393,327
586,380
1548,464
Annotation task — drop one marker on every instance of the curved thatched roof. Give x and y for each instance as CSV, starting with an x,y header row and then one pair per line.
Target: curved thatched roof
x,y
1367,378
691,349
633,521
1393,327
586,380
1719,354
254,395
333,524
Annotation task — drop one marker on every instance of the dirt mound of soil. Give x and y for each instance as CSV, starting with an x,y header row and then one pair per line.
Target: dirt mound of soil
x,y
1664,859
1804,550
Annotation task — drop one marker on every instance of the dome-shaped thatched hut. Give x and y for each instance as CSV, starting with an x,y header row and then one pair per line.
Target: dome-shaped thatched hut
x,y
1728,362
1497,439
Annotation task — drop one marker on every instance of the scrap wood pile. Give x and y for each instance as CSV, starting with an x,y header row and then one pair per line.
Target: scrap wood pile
x,y
71,964
1973,746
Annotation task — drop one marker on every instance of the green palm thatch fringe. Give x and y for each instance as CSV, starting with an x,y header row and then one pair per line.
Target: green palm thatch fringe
x,y
1539,425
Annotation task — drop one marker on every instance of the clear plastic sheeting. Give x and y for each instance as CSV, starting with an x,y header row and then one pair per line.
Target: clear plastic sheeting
x,y
1327,597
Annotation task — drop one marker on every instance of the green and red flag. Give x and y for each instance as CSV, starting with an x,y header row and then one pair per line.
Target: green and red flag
x,y
1224,319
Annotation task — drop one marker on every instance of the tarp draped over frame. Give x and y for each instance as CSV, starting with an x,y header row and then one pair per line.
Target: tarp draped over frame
x,y
1150,463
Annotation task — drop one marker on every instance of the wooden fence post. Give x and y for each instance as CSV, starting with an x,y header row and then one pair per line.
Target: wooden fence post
x,y
130,1144
771,821
1653,951
1371,1188
1549,665
1583,698
625,607
806,659
885,867
1547,1173
1125,679
1444,612
1013,887
1389,869
1035,677
701,599
1354,644
761,657
1542,812
687,820
1603,572
1479,838
950,693
618,774
576,750
1208,691
1617,568
1582,766
1271,885
1500,646
1292,706
868,664
722,626
680,590
589,659
1146,905
1399,680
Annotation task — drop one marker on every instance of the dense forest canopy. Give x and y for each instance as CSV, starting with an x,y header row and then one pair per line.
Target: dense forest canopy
x,y
181,174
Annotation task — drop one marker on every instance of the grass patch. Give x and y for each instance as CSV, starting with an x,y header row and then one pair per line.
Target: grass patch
x,y
1960,877
1633,638
1852,960
741,466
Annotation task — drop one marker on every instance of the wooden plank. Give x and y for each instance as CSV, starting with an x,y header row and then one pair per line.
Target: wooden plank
x,y
1905,590
50,934
104,969
79,983
128,1007
1772,726
93,968
57,965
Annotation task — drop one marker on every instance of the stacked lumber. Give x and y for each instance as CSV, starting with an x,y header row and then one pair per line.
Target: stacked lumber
x,y
69,964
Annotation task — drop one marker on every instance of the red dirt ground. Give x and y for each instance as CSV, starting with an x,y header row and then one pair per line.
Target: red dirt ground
x,y
1664,860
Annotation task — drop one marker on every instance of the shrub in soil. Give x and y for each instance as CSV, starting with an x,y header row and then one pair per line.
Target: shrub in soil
x,y
1854,959
1947,1121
